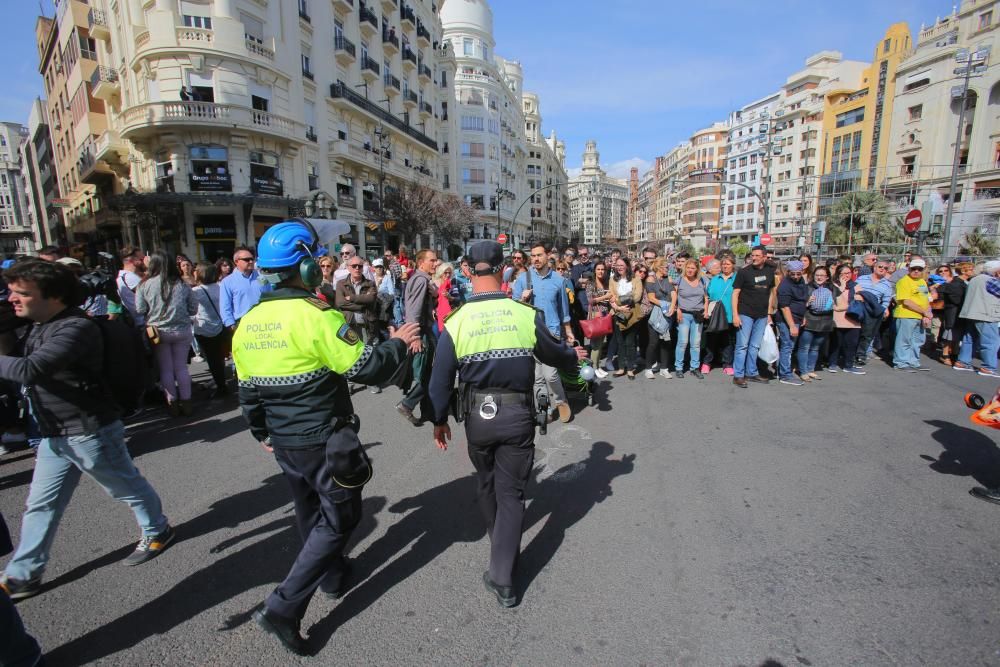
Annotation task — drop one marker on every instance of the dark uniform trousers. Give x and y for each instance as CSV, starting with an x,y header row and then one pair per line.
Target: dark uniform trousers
x,y
502,451
327,515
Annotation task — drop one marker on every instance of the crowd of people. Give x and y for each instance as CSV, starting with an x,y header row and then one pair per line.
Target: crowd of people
x,y
752,319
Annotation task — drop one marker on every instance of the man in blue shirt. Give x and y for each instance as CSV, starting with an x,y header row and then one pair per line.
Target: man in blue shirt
x,y
877,282
547,293
240,291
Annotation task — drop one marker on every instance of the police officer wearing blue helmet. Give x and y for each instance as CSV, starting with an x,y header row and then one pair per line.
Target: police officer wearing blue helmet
x,y
294,356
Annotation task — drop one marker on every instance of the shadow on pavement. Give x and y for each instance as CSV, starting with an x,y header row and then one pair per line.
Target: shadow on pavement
x,y
16,479
967,453
563,499
165,433
435,520
250,567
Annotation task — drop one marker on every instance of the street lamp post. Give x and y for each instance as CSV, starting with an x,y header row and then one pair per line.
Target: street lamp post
x,y
513,219
970,64
385,145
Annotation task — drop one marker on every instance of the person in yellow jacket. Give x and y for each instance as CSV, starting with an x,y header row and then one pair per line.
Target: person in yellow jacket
x,y
491,343
294,356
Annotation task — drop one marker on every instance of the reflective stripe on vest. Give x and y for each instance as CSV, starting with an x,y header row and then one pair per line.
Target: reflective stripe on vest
x,y
492,329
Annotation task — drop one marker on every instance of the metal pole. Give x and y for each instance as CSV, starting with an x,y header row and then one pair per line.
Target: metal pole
x,y
802,201
954,166
850,230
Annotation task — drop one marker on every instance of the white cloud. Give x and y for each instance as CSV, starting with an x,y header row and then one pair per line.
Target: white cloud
x,y
621,169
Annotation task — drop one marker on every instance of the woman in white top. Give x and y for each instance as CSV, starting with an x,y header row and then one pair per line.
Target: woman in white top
x,y
207,323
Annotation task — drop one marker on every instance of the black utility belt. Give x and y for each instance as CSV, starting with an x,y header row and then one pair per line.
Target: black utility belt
x,y
515,397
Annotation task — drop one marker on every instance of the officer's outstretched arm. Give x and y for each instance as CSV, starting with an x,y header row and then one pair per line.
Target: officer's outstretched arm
x,y
550,350
442,378
378,364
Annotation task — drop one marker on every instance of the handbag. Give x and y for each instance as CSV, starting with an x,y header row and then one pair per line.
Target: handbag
x,y
153,334
658,321
717,321
597,327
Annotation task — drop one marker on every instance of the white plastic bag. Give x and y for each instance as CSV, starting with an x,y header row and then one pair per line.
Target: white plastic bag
x,y
768,346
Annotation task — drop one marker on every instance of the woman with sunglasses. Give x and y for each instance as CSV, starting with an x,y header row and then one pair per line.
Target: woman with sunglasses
x,y
599,304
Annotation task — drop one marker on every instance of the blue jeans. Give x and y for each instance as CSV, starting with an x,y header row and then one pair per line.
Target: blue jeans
x,y
748,338
60,462
909,340
786,342
984,341
810,343
688,333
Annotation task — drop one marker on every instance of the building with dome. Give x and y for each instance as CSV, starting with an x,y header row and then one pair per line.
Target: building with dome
x,y
598,203
506,168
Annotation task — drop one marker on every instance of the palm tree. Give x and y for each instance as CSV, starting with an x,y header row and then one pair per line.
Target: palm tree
x,y
860,219
977,244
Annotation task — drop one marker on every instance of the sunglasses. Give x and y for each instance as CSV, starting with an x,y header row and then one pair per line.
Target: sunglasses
x,y
244,259
347,254
355,266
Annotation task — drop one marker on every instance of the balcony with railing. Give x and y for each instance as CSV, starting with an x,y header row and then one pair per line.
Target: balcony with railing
x,y
195,37
986,193
255,47
344,50
425,74
406,17
390,42
151,119
389,6
370,69
426,110
409,59
340,91
423,36
368,22
104,83
97,24
410,100
343,6
391,84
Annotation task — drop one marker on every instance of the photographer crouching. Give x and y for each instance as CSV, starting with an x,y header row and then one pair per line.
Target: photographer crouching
x,y
61,365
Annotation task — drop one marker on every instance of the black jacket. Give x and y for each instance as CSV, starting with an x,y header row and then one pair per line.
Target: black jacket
x,y
60,366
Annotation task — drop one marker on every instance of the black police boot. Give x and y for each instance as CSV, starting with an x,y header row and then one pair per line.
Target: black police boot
x,y
505,594
285,629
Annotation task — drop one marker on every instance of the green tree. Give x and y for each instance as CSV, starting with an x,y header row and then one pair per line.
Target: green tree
x,y
978,244
739,248
862,219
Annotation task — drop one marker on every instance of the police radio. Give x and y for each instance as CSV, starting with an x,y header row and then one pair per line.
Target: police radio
x,y
542,411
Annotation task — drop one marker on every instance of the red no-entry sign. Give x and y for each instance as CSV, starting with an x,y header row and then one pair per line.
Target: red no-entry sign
x,y
765,239
911,223
501,239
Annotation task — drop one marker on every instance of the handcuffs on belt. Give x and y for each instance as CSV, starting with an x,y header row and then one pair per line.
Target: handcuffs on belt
x,y
488,409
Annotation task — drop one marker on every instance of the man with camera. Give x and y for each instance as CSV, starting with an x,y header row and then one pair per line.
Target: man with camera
x,y
60,363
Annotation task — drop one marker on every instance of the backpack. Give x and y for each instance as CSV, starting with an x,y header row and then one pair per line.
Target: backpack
x,y
124,369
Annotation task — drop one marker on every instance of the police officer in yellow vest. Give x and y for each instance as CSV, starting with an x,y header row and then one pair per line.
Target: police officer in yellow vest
x,y
492,342
294,355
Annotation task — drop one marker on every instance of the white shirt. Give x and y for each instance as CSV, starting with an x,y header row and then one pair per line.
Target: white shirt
x,y
128,283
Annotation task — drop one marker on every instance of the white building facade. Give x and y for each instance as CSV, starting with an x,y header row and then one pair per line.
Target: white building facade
x,y
925,124
228,116
17,234
749,140
598,202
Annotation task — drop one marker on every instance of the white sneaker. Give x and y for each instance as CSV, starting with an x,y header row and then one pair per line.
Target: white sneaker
x,y
649,374
197,358
600,373
665,374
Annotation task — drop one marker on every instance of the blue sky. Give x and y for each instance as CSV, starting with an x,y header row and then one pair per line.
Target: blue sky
x,y
638,76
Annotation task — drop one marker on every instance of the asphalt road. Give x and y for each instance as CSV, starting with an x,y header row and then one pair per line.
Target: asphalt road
x,y
677,522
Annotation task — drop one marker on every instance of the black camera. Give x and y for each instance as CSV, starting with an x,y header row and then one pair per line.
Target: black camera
x,y
102,281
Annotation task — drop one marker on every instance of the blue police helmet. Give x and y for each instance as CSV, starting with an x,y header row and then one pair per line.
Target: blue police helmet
x,y
286,244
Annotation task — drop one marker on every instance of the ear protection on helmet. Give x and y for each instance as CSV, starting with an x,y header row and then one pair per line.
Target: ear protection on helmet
x,y
309,270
